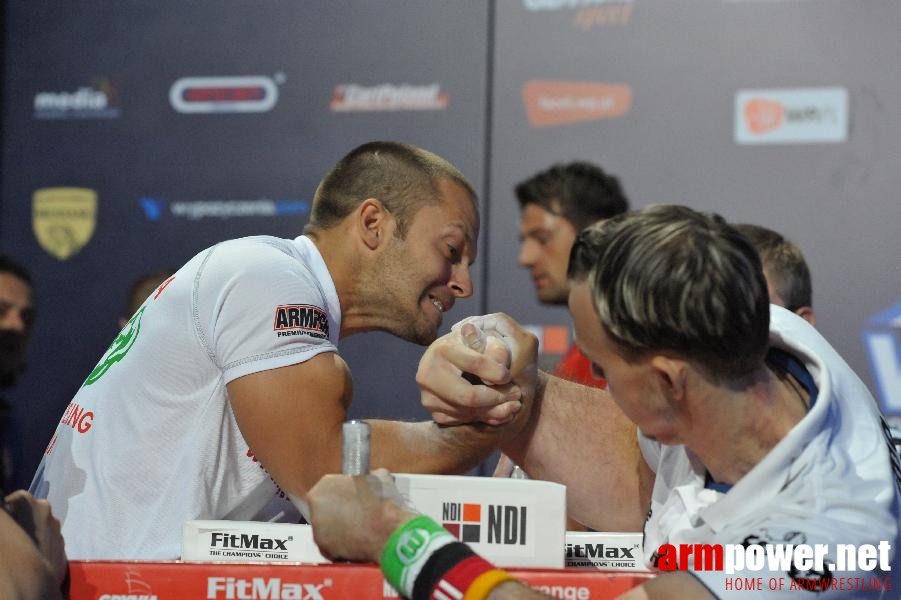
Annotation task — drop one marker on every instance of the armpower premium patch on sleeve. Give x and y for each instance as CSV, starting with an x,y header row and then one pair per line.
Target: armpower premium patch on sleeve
x,y
300,319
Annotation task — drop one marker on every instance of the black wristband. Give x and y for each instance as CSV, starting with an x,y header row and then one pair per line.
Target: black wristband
x,y
439,563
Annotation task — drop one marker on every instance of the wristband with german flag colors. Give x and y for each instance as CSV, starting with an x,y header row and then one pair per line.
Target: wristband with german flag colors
x,y
409,548
455,572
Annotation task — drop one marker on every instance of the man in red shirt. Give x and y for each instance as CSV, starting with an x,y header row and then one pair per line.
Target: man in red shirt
x,y
555,205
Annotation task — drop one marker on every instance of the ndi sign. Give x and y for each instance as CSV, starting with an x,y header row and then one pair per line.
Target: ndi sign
x,y
882,338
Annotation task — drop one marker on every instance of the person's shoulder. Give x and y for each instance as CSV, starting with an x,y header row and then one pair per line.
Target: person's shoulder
x,y
253,252
259,243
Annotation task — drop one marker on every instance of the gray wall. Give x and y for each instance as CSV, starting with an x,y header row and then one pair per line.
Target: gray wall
x,y
684,62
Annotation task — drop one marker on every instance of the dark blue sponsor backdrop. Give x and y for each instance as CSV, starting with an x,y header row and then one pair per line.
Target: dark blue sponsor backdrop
x,y
86,104
646,88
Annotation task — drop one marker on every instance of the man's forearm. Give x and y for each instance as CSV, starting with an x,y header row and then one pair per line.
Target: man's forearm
x,y
426,447
579,437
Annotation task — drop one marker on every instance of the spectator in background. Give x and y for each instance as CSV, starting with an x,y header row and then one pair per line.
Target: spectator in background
x,y
16,319
789,282
555,205
140,290
786,271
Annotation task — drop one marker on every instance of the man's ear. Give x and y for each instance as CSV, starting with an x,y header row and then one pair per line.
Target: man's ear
x,y
806,313
374,223
672,376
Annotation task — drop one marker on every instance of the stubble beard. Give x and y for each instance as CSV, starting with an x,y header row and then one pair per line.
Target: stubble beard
x,y
554,296
409,325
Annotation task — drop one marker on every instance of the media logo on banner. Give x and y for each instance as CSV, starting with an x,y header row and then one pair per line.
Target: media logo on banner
x,y
218,95
96,101
791,116
63,219
156,208
550,103
588,13
353,97
882,339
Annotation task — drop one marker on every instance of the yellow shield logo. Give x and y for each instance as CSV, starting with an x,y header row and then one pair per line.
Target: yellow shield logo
x,y
63,219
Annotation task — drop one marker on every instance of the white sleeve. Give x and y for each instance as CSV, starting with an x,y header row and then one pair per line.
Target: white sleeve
x,y
258,308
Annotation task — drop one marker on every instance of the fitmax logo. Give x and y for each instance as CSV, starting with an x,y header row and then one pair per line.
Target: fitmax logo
x,y
260,588
506,524
882,338
598,551
246,541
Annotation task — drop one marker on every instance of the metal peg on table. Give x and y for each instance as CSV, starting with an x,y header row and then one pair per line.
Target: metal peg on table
x,y
355,447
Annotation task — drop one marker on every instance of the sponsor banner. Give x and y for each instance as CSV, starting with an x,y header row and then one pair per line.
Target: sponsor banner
x,y
96,101
352,97
552,339
882,339
606,551
155,209
173,580
512,522
791,116
204,95
550,103
249,541
63,219
587,13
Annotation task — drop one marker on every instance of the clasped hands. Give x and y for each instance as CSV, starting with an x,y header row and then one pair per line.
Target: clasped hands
x,y
495,349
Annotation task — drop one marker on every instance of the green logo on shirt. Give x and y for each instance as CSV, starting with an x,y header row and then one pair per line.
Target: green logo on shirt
x,y
118,349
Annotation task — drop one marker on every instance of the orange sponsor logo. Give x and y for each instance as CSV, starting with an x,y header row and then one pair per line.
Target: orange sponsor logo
x,y
556,339
763,115
598,16
551,103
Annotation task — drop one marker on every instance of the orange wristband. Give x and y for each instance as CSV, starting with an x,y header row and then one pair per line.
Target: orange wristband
x,y
484,583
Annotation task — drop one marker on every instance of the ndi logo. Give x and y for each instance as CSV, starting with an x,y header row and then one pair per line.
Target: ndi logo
x,y
882,338
506,524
